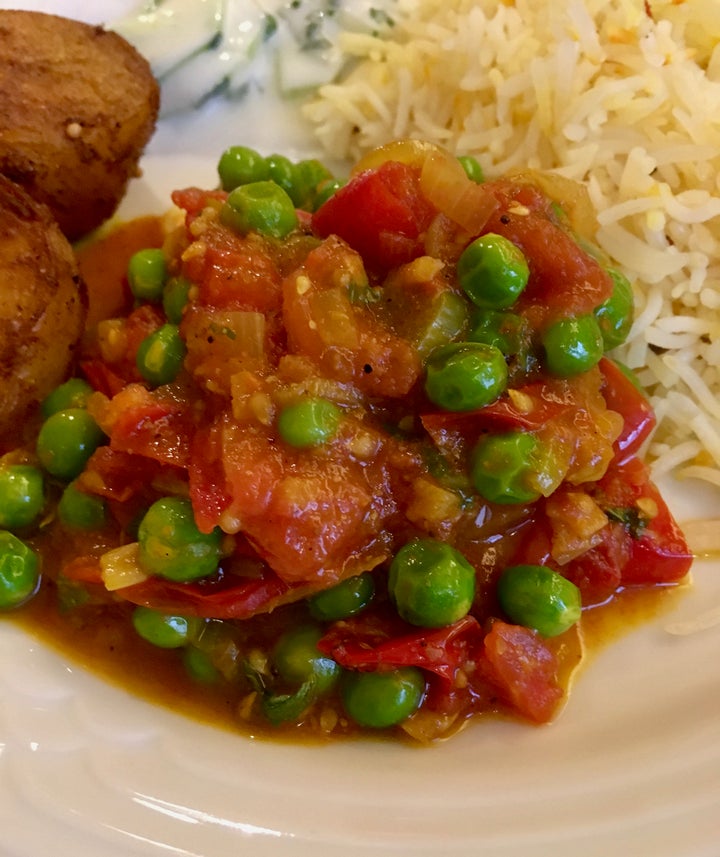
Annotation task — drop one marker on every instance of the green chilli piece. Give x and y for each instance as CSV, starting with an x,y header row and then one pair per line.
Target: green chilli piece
x,y
66,441
22,495
19,571
465,376
73,393
297,658
493,271
172,546
572,345
378,700
615,315
161,354
164,630
147,274
240,165
539,598
345,599
502,465
309,422
472,168
80,510
262,207
431,583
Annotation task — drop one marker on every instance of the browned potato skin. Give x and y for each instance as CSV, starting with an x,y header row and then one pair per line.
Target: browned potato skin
x,y
79,104
42,308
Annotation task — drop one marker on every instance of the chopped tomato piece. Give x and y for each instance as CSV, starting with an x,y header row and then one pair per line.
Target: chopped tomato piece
x,y
397,214
564,279
523,669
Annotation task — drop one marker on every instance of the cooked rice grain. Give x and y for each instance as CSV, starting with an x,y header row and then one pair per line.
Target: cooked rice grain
x,y
601,92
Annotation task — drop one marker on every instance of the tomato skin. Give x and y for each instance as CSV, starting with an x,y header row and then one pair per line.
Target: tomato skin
x,y
377,642
622,396
659,554
523,669
222,599
119,476
381,213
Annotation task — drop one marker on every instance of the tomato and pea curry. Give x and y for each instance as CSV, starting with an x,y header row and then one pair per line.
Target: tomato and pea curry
x,y
353,451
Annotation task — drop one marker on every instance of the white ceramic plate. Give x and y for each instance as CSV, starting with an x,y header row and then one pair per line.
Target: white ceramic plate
x,y
631,767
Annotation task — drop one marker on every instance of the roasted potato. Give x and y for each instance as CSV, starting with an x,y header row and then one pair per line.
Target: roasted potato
x,y
79,104
42,308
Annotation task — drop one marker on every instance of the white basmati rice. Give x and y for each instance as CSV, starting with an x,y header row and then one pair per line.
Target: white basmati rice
x,y
618,94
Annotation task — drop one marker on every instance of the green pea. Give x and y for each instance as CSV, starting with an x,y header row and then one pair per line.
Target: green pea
x,y
615,315
378,700
492,271
164,630
19,571
262,207
472,168
66,441
172,546
160,355
505,330
147,273
81,510
325,191
281,170
22,495
297,658
175,298
431,583
572,345
539,598
502,465
73,393
309,174
465,376
240,165
344,599
309,422
199,666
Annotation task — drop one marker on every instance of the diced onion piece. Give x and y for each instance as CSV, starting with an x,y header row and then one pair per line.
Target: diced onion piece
x,y
433,506
442,180
445,183
410,152
121,567
577,522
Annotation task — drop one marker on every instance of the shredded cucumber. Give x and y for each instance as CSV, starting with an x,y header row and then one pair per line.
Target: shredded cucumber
x,y
199,48
167,33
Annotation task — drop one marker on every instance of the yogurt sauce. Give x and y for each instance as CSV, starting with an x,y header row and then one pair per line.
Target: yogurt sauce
x,y
200,49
